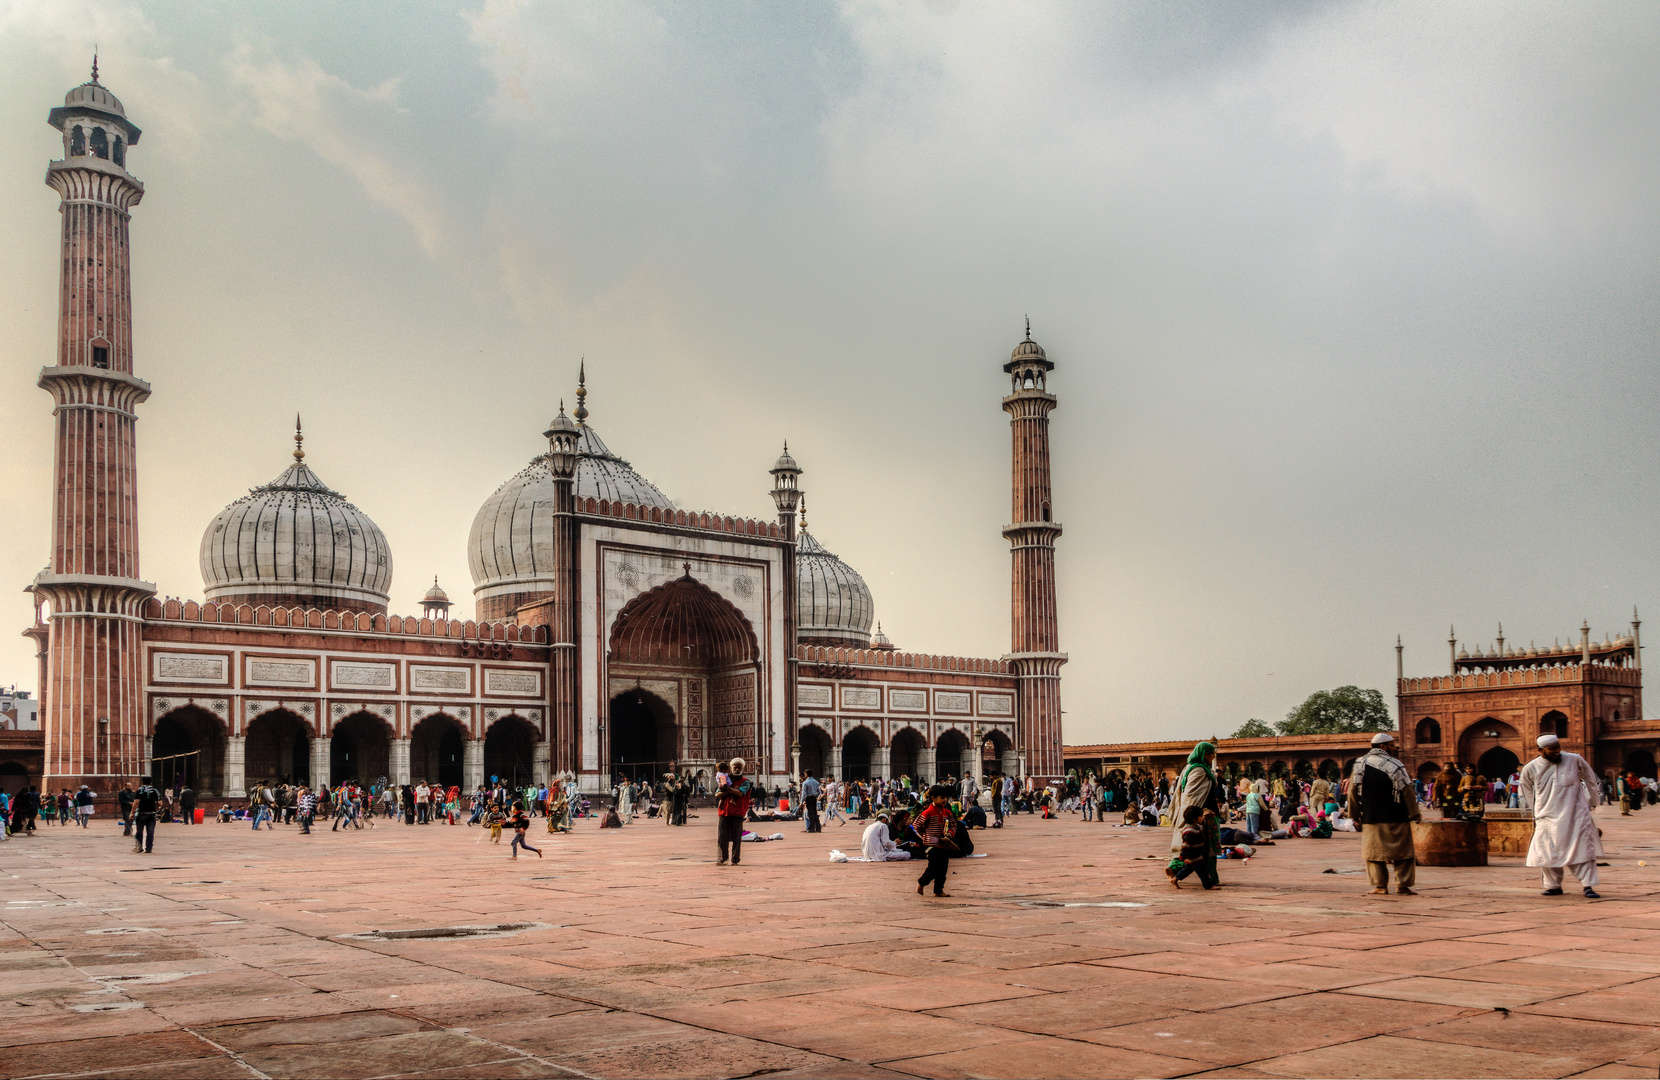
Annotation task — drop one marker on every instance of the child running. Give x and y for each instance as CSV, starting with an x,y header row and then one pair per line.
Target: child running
x,y
521,828
495,819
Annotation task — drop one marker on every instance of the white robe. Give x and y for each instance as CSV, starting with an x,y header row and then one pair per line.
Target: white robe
x,y
1561,795
878,847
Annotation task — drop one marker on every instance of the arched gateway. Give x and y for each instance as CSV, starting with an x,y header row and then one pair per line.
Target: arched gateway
x,y
683,665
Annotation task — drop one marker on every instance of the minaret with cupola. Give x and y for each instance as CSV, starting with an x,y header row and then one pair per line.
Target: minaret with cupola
x,y
786,495
1035,657
91,714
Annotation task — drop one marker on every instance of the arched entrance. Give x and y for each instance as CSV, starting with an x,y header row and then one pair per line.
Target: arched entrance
x,y
14,777
1429,732
905,755
361,750
1428,771
188,749
643,741
815,749
1486,735
1329,770
686,631
858,747
1554,723
993,752
949,752
1640,762
278,749
1498,763
437,751
510,751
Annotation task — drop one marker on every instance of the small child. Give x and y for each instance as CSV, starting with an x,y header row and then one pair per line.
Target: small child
x,y
521,830
495,819
1194,848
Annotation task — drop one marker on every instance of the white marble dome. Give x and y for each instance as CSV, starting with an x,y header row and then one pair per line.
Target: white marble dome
x,y
297,542
510,549
833,603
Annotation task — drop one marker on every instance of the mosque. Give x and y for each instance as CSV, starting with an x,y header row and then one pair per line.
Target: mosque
x,y
616,632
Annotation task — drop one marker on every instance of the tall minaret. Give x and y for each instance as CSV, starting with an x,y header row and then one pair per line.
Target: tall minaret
x,y
1035,657
91,713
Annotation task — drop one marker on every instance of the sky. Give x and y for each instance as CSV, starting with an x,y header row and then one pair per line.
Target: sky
x,y
1353,306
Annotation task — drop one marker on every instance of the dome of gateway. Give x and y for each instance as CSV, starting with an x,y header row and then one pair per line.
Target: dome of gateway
x,y
297,542
833,603
510,550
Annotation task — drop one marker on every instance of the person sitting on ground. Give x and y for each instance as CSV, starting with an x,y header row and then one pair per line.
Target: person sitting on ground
x,y
878,845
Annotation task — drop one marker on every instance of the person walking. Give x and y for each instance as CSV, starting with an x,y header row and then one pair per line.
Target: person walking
x,y
1197,786
935,827
146,805
1384,805
1561,788
809,802
731,808
83,806
306,804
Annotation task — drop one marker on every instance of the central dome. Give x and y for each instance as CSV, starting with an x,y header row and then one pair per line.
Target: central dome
x,y
510,549
833,602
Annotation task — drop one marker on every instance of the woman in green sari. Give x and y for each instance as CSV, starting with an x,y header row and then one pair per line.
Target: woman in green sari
x,y
1197,786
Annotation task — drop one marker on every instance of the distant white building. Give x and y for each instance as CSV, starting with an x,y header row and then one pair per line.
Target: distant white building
x,y
18,710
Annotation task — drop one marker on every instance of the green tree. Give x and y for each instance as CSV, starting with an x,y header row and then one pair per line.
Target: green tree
x,y
1253,729
1343,711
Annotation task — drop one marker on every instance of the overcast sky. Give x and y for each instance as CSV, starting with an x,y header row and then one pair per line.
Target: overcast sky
x,y
1353,307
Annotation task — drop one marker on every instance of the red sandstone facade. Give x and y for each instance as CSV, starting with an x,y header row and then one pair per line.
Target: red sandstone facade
x,y
646,636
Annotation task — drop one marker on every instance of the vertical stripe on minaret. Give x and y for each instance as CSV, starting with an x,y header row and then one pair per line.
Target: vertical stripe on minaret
x,y
91,709
1034,658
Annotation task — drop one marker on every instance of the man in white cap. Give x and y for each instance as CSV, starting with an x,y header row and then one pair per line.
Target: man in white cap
x,y
1383,804
1561,788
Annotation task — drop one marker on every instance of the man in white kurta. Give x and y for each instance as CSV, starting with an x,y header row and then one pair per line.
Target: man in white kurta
x,y
1561,788
878,845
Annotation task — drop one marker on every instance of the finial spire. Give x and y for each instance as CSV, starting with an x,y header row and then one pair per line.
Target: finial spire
x,y
581,413
299,440
95,65
1028,328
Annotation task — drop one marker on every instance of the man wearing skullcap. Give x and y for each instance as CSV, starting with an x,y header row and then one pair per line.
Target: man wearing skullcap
x,y
1382,802
1561,788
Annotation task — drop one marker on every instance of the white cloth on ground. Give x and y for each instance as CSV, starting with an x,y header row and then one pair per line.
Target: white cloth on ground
x,y
1561,794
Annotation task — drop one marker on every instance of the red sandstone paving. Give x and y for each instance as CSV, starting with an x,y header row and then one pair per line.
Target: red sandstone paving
x,y
658,963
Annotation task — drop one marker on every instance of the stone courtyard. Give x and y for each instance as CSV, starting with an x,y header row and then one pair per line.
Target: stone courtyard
x,y
630,953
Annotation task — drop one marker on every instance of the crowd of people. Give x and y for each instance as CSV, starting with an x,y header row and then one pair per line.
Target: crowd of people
x,y
1210,818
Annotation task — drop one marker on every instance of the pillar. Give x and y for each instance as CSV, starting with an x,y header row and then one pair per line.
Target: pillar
x,y
320,763
881,764
472,764
1010,763
236,748
542,770
400,761
834,766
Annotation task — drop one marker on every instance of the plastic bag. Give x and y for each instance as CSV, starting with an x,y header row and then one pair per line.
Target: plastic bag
x,y
837,856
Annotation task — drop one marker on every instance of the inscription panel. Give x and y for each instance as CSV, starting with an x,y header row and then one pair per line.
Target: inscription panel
x,y
861,697
281,673
950,701
364,676
440,679
908,700
816,696
516,683
996,705
191,667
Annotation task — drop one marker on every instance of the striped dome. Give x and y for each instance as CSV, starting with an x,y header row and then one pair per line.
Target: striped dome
x,y
297,542
510,549
832,601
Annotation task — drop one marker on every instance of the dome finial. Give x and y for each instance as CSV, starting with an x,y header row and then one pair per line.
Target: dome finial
x,y
803,513
299,440
581,413
95,65
1028,328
